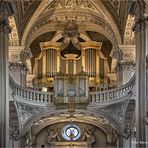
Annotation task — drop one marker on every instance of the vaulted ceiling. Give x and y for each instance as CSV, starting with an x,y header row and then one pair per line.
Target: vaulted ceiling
x,y
25,9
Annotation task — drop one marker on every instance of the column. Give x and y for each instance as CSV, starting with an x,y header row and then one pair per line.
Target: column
x,y
141,40
5,11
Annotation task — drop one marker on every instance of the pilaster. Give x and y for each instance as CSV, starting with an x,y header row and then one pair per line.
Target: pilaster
x,y
5,11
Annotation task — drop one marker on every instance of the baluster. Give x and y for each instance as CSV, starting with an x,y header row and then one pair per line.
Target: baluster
x,y
103,94
90,98
17,91
119,93
122,92
41,97
112,94
30,95
116,94
36,97
101,97
21,93
45,98
27,95
51,98
33,96
109,96
93,98
104,98
97,97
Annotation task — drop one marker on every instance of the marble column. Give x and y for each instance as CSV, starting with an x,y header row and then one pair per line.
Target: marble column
x,y
147,79
5,11
140,34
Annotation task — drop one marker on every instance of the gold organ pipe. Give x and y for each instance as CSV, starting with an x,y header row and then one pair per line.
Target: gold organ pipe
x,y
83,59
66,66
97,65
51,57
74,62
58,61
44,62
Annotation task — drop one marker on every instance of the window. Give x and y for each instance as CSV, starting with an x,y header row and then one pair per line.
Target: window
x,y
71,132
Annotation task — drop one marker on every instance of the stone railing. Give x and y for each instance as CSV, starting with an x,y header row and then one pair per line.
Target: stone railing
x,y
29,94
113,94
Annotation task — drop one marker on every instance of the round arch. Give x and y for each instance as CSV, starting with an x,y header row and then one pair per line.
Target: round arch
x,y
99,5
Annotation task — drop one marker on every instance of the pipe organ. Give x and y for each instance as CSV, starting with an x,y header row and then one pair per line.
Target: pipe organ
x,y
50,63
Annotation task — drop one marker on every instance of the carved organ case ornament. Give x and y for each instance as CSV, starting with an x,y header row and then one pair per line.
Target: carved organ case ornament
x,y
67,58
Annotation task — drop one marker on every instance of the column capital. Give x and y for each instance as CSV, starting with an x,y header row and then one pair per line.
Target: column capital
x,y
130,65
6,10
17,67
138,23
